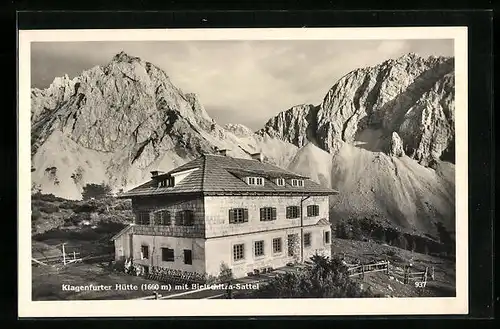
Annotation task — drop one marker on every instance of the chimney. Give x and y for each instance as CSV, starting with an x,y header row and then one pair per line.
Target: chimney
x,y
258,156
155,173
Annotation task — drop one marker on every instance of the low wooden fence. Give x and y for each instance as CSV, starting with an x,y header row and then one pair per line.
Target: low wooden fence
x,y
74,257
406,275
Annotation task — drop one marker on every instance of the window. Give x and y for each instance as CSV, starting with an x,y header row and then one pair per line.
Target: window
x,y
143,218
292,244
267,214
297,182
327,237
307,239
166,182
167,255
188,257
144,252
259,248
185,218
162,217
292,212
238,215
238,252
277,245
280,182
255,181
312,211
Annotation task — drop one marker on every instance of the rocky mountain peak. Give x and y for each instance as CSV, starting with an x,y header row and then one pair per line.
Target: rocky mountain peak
x,y
124,57
239,129
411,96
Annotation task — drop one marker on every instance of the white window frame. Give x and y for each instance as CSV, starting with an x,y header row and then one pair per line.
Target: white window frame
x,y
297,182
255,249
142,254
280,239
258,181
329,237
233,252
280,181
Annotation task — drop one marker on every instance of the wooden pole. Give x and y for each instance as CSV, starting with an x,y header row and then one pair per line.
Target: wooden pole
x,y
362,272
74,255
387,267
425,274
432,273
64,254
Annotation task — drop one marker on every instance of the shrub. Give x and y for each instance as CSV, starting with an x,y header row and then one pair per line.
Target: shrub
x,y
96,191
85,207
35,215
77,218
49,208
225,274
325,278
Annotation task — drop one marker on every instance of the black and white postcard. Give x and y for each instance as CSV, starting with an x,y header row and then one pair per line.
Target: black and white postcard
x,y
212,172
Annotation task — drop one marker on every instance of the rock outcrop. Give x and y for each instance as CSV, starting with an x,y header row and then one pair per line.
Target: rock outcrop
x,y
411,96
383,136
396,146
115,123
295,125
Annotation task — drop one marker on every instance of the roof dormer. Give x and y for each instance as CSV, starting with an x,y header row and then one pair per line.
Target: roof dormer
x,y
166,182
279,181
297,182
255,181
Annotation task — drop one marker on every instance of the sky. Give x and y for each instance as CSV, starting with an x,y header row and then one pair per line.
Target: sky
x,y
245,82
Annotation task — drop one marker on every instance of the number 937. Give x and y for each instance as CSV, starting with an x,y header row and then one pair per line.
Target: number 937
x,y
420,284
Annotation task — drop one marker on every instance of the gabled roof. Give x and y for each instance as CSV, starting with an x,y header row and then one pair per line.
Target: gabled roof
x,y
225,175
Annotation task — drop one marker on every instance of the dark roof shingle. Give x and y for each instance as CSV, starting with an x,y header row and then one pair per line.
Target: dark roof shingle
x,y
223,174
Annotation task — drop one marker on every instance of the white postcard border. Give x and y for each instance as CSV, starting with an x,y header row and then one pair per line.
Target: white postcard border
x,y
236,307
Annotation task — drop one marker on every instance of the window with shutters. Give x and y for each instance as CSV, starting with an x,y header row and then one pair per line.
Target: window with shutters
x,y
307,239
327,237
312,211
259,248
277,245
238,252
167,255
185,218
144,252
238,215
267,214
188,257
143,218
292,212
163,217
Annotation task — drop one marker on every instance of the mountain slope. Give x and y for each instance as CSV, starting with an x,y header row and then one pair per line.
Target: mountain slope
x,y
384,138
411,96
115,123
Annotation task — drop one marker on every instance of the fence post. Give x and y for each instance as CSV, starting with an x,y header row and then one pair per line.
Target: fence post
x,y
387,267
363,272
405,276
432,273
64,254
425,274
